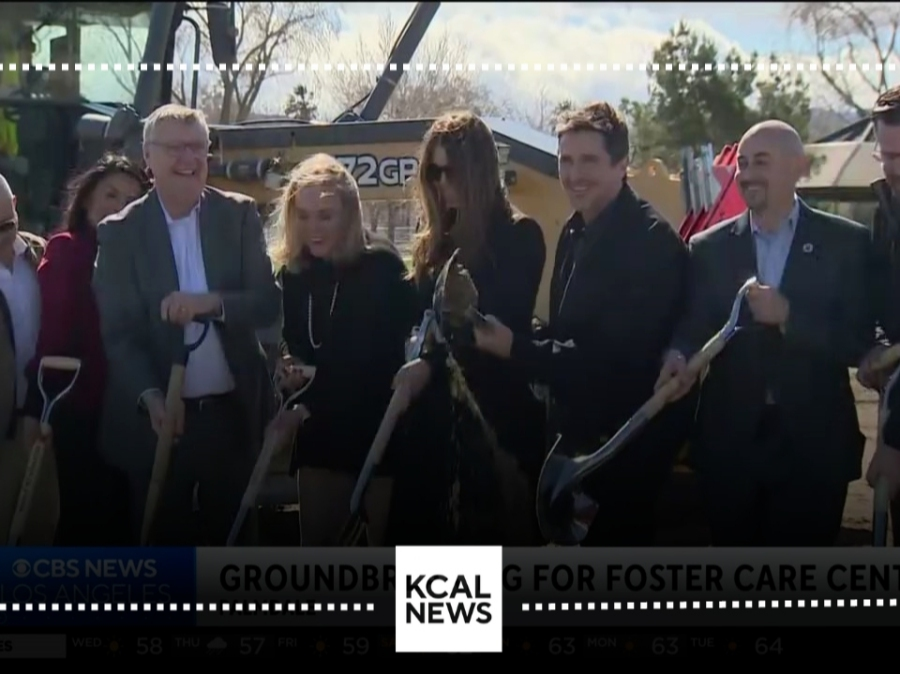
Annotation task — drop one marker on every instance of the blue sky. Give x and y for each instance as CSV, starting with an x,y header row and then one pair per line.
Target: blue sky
x,y
562,32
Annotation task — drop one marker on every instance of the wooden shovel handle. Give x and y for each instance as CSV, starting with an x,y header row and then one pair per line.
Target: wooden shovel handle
x,y
27,489
396,408
392,415
163,455
695,367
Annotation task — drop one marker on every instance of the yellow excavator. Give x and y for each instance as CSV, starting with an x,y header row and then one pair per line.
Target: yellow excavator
x,y
55,121
65,118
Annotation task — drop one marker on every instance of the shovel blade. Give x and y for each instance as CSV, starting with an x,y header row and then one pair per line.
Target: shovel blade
x,y
564,513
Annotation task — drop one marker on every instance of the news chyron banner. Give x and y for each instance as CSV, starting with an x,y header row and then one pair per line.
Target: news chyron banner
x,y
96,586
449,599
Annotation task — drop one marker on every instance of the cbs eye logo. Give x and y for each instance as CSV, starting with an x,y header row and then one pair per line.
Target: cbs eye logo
x,y
21,568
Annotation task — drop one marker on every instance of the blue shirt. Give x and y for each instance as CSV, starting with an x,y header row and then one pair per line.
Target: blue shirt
x,y
772,248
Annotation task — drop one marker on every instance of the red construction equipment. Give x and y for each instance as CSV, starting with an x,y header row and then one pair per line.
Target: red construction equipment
x,y
726,201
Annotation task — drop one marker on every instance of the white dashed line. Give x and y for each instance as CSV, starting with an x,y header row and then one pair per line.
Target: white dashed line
x,y
770,66
264,607
707,604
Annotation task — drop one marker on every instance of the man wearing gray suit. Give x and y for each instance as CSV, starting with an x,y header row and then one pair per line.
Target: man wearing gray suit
x,y
181,252
777,436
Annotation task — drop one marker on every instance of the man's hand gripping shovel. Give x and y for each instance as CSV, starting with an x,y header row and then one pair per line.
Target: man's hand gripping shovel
x,y
166,438
273,441
36,453
354,531
559,486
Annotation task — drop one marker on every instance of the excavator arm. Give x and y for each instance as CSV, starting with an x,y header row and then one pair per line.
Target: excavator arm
x,y
408,41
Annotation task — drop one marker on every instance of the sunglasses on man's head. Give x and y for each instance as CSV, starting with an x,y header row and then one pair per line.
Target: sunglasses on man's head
x,y
434,172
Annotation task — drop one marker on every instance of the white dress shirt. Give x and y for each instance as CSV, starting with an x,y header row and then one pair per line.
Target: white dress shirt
x,y
19,286
207,372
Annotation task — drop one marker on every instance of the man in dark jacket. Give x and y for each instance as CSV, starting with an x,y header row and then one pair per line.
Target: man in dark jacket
x,y
886,291
616,293
778,438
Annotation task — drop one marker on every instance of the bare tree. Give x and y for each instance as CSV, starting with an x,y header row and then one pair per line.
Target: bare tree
x,y
269,34
858,32
209,95
539,115
123,48
544,112
421,93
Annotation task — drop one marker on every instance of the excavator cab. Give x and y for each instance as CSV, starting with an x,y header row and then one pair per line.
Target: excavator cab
x,y
76,88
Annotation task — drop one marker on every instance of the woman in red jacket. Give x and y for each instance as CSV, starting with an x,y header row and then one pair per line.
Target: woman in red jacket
x,y
90,501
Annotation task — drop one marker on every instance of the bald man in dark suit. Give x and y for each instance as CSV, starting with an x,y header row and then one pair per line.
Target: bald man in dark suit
x,y
778,438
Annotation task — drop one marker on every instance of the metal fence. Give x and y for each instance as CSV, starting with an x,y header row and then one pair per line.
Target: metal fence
x,y
395,219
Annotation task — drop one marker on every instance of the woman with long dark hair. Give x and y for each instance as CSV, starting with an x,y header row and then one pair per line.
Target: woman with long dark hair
x,y
92,502
475,430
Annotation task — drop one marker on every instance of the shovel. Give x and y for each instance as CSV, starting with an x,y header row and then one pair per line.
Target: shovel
x,y
270,446
354,530
36,453
166,438
560,498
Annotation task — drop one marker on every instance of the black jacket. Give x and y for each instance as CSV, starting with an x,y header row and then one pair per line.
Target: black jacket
x,y
610,319
885,290
362,347
507,278
805,369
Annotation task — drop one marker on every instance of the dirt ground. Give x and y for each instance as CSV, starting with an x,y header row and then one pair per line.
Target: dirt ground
x,y
681,518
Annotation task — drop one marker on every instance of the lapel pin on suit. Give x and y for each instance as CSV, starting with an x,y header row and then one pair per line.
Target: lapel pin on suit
x,y
807,248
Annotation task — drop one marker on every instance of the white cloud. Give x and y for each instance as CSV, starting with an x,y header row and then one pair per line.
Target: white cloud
x,y
579,33
537,33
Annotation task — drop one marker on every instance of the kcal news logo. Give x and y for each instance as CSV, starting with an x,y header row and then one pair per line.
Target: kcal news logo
x,y
449,599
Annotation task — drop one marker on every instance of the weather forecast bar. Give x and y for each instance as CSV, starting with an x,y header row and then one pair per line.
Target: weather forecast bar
x,y
33,646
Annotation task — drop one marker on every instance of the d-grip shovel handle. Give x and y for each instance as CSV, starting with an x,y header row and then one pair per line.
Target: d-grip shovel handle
x,y
204,320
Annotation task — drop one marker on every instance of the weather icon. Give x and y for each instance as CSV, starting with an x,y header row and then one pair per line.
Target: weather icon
x,y
320,647
216,646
